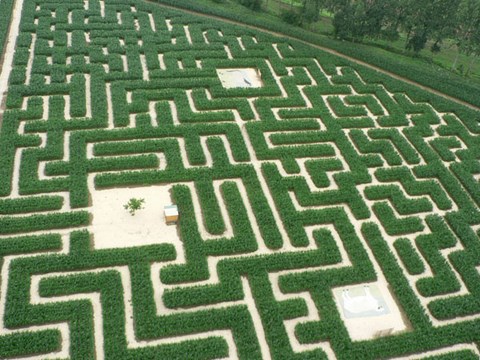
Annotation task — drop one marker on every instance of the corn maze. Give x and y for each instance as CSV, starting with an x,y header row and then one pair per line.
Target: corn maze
x,y
327,211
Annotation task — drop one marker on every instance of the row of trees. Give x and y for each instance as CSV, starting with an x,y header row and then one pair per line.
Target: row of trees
x,y
426,23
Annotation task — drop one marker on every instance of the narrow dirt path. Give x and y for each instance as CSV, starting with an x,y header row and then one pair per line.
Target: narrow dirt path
x,y
334,52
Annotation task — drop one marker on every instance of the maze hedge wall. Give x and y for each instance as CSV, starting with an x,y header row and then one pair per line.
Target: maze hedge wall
x,y
6,11
328,175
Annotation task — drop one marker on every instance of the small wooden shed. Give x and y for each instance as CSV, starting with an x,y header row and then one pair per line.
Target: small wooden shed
x,y
171,214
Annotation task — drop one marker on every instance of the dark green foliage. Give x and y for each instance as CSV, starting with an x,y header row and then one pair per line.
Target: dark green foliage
x,y
292,17
458,355
210,209
26,343
355,20
251,4
409,257
444,279
32,204
6,7
13,225
297,169
341,110
415,187
394,225
401,204
370,102
134,205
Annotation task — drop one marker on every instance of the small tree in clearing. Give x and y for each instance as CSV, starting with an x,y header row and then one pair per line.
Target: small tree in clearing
x,y
133,205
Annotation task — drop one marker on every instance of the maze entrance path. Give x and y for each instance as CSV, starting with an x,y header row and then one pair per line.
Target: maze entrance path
x,y
328,176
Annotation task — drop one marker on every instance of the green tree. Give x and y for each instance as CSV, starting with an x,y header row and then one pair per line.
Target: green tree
x,y
311,10
251,4
474,50
134,205
467,30
428,20
357,19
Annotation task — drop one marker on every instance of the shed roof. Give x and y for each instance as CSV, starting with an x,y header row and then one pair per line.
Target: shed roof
x,y
171,210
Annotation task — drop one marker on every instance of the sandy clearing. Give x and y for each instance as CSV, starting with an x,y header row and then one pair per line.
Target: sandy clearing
x,y
240,78
113,227
390,320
